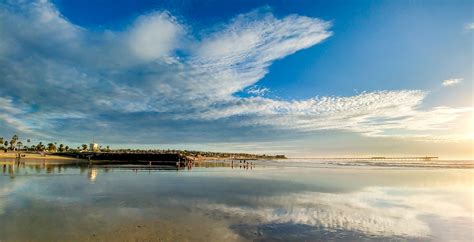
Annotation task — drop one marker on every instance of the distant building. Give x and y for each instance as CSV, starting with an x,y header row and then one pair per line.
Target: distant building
x,y
94,147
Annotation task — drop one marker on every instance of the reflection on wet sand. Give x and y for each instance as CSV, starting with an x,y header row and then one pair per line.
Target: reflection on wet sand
x,y
372,212
215,202
21,167
92,174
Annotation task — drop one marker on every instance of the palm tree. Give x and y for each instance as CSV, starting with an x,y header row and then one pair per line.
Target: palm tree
x,y
51,147
66,148
61,148
19,145
40,146
84,147
13,142
28,141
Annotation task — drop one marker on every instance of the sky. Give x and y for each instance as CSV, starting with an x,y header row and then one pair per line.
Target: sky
x,y
301,78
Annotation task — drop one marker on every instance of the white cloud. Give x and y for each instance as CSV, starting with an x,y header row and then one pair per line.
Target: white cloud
x,y
376,114
452,82
238,54
113,77
469,26
155,35
10,113
258,91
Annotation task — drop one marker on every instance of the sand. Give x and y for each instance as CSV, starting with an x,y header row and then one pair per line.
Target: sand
x,y
27,155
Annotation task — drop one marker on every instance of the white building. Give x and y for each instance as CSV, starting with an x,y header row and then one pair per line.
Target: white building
x,y
94,147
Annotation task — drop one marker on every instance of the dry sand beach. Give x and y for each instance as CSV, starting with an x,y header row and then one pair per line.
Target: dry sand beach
x,y
33,157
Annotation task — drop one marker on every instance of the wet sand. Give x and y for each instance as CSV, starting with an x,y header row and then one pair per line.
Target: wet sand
x,y
271,202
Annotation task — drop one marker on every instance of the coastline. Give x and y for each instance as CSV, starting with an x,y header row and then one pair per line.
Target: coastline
x,y
33,156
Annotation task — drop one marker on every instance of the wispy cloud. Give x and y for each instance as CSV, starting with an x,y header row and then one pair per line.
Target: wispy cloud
x,y
469,26
452,82
257,90
73,82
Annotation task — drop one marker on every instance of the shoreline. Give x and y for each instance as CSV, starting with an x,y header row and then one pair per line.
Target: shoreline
x,y
33,156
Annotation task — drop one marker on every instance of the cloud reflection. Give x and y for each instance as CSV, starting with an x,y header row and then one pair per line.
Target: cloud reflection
x,y
380,212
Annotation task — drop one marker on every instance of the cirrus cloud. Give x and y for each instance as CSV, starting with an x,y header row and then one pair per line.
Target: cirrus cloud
x,y
66,80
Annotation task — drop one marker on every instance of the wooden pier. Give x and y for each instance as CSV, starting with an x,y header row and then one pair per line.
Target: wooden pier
x,y
376,158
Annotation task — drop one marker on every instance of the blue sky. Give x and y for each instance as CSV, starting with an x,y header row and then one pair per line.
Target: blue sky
x,y
305,78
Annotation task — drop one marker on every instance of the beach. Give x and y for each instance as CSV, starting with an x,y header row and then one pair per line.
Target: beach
x,y
275,200
35,158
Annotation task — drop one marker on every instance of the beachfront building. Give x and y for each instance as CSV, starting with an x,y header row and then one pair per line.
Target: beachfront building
x,y
94,147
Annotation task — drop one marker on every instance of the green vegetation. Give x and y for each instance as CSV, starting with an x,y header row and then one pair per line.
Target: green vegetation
x,y
15,144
